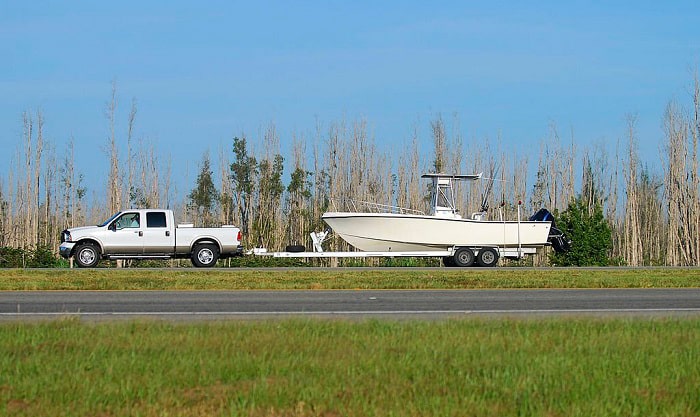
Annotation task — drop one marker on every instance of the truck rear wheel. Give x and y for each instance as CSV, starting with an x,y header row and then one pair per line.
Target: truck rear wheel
x,y
205,255
87,255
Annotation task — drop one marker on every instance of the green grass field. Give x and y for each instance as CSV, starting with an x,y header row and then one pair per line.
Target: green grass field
x,y
341,278
298,368
573,367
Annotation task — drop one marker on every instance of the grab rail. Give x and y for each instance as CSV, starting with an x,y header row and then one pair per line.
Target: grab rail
x,y
359,206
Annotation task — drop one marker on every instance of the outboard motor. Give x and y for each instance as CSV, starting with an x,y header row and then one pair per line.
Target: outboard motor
x,y
559,241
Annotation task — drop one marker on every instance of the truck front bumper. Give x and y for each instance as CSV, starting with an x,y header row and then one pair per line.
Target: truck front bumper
x,y
65,249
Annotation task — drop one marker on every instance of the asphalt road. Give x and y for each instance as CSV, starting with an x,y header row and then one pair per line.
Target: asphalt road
x,y
211,305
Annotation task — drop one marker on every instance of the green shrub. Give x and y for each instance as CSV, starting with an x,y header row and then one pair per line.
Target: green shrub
x,y
39,257
590,235
12,257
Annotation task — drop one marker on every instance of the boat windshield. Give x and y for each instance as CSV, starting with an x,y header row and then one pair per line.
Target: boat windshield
x,y
106,222
445,197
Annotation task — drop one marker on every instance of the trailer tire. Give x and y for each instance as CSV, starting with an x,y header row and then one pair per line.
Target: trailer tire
x,y
205,255
87,255
487,257
448,261
295,248
463,257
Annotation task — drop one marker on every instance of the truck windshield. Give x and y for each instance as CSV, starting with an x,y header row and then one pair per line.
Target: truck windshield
x,y
110,219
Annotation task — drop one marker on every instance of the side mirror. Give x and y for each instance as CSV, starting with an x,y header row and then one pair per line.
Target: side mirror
x,y
113,227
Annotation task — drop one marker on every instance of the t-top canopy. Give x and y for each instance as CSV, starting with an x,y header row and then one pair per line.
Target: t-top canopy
x,y
472,177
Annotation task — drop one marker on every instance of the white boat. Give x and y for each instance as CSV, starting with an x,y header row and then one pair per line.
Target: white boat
x,y
442,229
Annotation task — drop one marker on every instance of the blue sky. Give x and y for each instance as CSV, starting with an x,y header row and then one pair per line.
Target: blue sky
x,y
203,72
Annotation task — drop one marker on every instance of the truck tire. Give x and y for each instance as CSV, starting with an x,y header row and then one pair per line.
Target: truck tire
x,y
487,257
205,255
87,255
464,257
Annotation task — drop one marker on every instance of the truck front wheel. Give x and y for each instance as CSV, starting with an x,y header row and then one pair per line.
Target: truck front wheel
x,y
205,255
87,255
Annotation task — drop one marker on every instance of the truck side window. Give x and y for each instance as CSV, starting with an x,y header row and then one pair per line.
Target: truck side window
x,y
155,219
128,220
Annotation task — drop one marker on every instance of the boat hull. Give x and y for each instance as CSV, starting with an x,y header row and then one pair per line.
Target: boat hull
x,y
386,232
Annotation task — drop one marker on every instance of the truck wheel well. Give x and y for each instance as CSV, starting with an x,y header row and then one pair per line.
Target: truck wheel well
x,y
206,240
88,241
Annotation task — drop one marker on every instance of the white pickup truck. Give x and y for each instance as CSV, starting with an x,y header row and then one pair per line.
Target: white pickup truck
x,y
149,234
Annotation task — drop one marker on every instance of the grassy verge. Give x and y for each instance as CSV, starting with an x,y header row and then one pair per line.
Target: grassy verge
x,y
307,278
335,368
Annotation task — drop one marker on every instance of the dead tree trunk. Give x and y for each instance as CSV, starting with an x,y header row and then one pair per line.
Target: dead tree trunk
x,y
633,245
114,184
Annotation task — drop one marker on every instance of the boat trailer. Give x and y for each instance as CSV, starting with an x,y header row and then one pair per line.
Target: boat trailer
x,y
458,256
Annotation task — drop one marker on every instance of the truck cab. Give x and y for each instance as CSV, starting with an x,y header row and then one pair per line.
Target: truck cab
x,y
141,232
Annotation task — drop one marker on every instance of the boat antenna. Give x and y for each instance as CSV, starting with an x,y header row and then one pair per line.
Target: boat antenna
x,y
488,188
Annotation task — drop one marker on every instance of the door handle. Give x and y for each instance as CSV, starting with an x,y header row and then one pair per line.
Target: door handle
x,y
140,233
167,233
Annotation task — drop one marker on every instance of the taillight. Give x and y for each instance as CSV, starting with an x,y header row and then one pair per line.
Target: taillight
x,y
240,236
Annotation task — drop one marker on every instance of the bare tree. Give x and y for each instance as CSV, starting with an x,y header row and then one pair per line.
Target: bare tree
x,y
114,180
439,143
166,183
633,237
226,189
408,192
130,163
36,181
298,200
4,216
26,199
679,241
694,192
50,208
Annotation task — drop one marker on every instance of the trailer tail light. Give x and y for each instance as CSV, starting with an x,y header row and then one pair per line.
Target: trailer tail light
x,y
239,237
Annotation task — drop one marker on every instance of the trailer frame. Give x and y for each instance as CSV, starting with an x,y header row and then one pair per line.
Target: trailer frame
x,y
448,255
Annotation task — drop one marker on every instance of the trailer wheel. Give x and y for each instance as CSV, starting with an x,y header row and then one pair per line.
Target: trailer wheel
x,y
295,248
87,255
448,261
205,255
463,257
487,257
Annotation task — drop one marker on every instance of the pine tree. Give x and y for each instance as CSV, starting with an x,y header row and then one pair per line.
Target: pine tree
x,y
297,203
589,231
204,198
268,202
243,171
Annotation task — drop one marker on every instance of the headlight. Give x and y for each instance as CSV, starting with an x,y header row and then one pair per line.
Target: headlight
x,y
66,236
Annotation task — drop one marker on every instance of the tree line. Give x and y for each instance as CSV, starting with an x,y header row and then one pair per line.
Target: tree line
x,y
651,210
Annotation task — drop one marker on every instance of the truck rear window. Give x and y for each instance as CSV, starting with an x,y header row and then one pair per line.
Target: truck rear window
x,y
155,219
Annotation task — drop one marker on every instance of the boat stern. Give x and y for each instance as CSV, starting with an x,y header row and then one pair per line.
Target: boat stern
x,y
556,238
